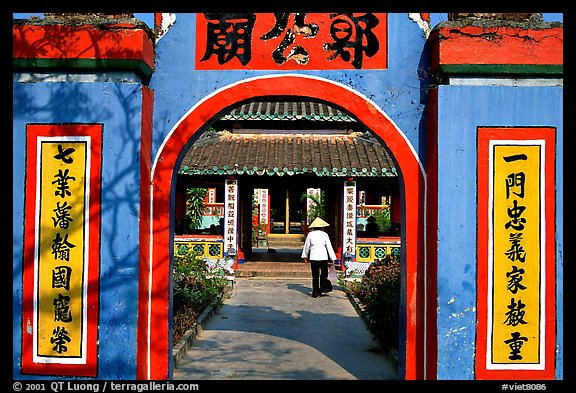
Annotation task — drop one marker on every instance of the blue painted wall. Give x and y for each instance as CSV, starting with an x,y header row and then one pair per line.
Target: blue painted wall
x,y
400,90
461,109
118,107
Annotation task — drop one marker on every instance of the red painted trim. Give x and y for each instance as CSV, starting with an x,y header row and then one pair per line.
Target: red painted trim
x,y
285,85
496,45
261,50
33,131
144,236
485,135
157,20
107,42
432,236
483,163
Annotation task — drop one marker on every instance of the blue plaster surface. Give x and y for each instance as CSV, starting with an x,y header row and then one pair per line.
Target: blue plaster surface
x,y
399,90
118,107
460,111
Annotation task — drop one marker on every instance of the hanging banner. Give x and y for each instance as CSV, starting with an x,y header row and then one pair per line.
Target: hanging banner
x,y
230,216
211,195
311,204
516,271
264,208
291,41
349,220
61,253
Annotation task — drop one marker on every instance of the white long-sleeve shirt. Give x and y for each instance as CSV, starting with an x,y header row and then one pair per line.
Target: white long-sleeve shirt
x,y
317,247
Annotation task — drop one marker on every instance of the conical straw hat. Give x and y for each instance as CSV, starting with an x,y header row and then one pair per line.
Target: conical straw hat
x,y
318,223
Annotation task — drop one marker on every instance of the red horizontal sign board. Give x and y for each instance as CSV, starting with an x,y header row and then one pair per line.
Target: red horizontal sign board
x,y
291,41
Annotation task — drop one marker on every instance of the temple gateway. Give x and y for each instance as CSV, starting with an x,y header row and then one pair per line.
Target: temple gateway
x,y
223,134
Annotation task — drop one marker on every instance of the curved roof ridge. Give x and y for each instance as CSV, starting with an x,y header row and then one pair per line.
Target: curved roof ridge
x,y
288,111
339,154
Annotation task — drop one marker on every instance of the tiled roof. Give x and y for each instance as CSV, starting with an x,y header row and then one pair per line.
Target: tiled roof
x,y
284,110
226,153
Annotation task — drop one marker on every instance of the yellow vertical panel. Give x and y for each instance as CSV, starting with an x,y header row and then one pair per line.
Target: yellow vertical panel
x,y
516,238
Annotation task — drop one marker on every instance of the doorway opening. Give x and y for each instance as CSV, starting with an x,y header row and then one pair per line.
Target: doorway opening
x,y
287,211
294,155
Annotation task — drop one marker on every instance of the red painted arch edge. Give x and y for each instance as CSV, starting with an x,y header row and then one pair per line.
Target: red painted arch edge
x,y
154,326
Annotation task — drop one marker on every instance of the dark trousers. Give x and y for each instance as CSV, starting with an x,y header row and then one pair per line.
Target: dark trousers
x,y
319,275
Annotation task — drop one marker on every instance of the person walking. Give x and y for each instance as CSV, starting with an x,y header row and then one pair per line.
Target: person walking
x,y
318,251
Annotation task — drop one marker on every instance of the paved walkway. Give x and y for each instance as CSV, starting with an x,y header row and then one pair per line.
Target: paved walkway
x,y
273,329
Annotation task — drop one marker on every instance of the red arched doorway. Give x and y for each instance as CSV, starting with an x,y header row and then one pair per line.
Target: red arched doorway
x,y
153,355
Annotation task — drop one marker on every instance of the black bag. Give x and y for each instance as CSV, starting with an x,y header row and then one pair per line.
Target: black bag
x,y
326,286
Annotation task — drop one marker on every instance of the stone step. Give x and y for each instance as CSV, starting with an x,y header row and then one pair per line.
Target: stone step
x,y
273,270
286,246
256,273
286,241
275,254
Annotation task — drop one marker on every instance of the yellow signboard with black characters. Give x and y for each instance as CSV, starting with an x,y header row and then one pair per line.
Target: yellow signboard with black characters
x,y
61,249
61,258
516,260
516,266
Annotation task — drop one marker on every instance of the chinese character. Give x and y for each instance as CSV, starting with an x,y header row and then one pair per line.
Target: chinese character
x,y
516,157
516,314
61,309
229,36
353,33
515,343
516,251
61,277
515,180
514,213
60,337
515,276
61,247
61,181
62,218
297,53
63,154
